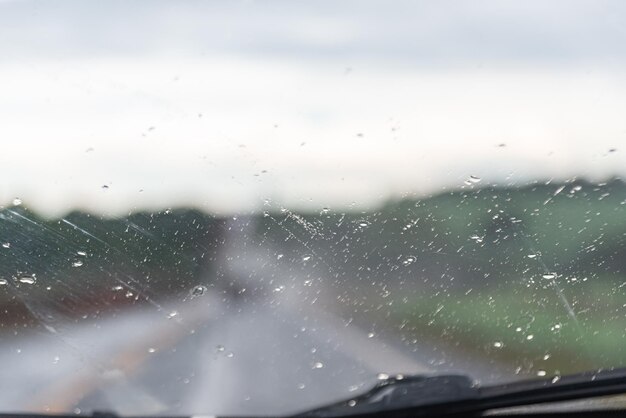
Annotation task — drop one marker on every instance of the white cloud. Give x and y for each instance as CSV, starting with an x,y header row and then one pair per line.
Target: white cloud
x,y
71,127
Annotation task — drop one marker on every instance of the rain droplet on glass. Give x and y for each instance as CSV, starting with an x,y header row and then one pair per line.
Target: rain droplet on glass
x,y
27,279
198,290
472,180
409,260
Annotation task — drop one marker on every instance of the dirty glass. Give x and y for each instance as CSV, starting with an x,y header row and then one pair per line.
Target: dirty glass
x,y
252,207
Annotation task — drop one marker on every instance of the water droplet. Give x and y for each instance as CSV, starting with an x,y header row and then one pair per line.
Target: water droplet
x,y
198,290
81,253
472,180
230,355
477,238
351,403
399,377
498,344
50,328
117,288
220,348
77,263
370,335
531,255
151,350
546,356
409,260
3,282
56,360
324,211
530,337
279,289
364,224
172,314
27,279
301,386
6,245
318,365
556,379
279,256
549,276
541,373
382,376
17,201
306,258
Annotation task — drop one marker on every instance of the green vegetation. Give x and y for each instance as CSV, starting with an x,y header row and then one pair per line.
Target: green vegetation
x,y
85,264
467,268
528,327
471,268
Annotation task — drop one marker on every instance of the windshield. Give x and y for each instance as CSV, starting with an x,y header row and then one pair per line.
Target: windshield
x,y
241,207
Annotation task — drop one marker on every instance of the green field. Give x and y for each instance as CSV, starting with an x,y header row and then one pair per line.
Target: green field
x,y
529,328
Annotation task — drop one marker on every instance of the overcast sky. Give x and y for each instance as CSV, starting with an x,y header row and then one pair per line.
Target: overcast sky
x,y
116,106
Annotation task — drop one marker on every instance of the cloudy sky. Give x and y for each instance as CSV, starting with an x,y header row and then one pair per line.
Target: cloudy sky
x,y
116,106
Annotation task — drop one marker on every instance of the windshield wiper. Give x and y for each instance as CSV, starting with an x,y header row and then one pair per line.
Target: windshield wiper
x,y
449,395
457,394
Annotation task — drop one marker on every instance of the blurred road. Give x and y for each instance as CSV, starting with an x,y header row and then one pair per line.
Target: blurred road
x,y
261,344
211,357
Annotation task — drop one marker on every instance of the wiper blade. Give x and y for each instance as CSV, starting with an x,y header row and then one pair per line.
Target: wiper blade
x,y
446,395
425,395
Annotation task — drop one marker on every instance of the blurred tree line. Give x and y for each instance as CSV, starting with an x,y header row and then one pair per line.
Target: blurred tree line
x,y
470,237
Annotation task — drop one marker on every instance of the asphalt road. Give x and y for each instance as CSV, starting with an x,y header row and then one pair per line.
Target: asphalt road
x,y
209,358
264,343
